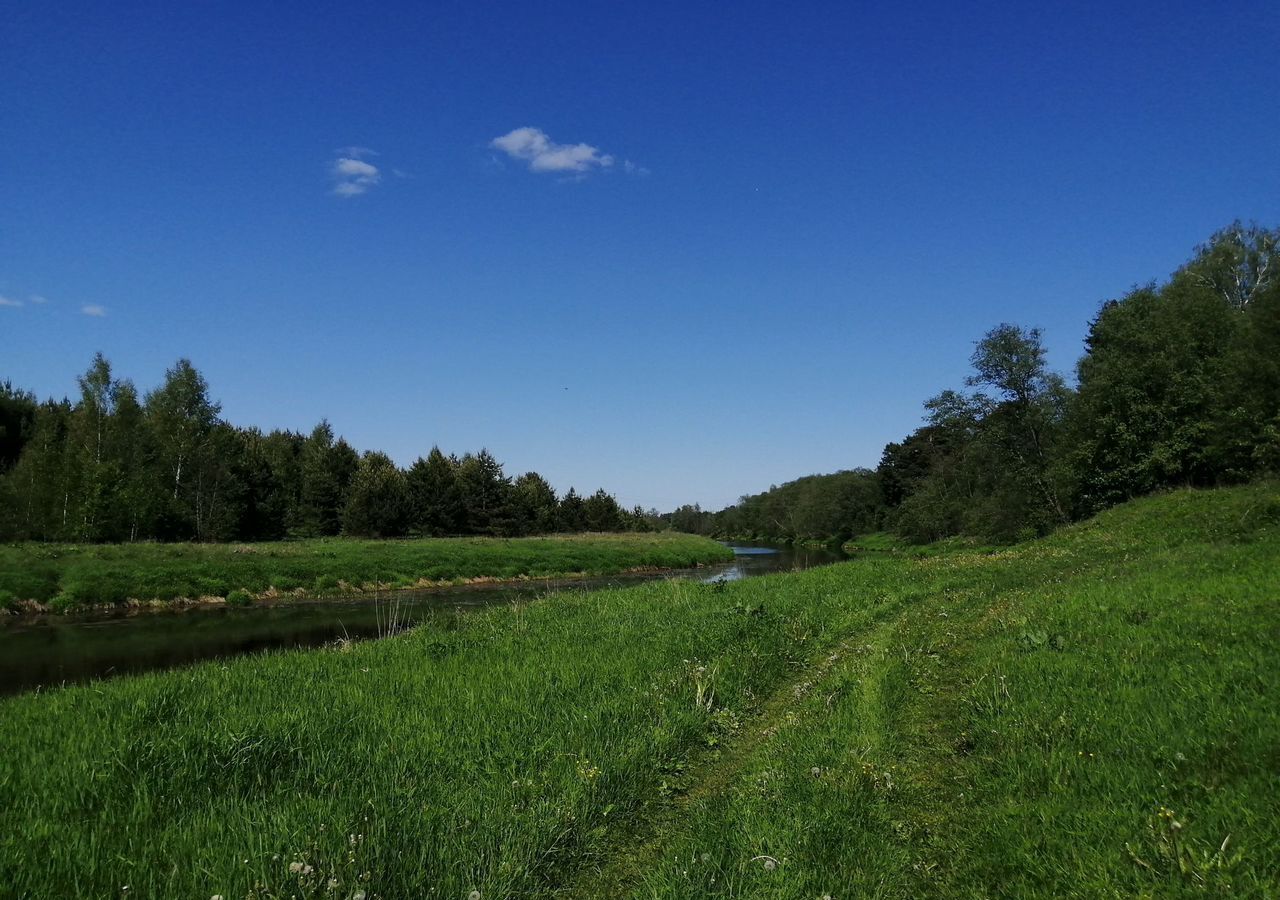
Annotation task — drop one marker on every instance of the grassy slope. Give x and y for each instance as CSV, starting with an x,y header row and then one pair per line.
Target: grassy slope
x,y
112,573
893,727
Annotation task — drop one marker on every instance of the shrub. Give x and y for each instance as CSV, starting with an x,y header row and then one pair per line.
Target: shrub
x,y
8,600
64,602
239,597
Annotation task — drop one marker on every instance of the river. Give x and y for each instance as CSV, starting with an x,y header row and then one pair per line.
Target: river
x,y
46,650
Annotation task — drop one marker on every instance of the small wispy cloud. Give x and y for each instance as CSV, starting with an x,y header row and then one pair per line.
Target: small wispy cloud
x,y
535,147
38,300
353,175
93,309
8,301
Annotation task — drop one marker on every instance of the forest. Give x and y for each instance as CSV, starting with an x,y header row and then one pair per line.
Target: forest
x,y
116,466
1179,386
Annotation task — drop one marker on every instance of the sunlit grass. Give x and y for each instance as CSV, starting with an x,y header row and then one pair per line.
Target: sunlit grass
x,y
74,574
1010,724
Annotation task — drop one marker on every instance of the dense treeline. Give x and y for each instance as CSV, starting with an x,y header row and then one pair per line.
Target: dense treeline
x,y
113,466
1179,386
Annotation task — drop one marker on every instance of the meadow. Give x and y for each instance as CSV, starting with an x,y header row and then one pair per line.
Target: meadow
x,y
70,575
1090,714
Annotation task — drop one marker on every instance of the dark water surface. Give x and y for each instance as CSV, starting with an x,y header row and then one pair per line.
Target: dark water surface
x,y
40,651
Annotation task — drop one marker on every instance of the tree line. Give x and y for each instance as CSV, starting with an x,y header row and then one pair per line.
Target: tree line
x,y
1179,385
116,466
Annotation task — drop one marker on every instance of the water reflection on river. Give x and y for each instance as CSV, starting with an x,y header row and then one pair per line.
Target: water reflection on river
x,y
38,651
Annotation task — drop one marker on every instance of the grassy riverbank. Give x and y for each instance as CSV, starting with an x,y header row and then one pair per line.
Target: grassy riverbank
x,y
1090,714
69,574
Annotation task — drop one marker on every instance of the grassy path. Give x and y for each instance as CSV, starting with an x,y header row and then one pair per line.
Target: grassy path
x,y
618,868
1094,721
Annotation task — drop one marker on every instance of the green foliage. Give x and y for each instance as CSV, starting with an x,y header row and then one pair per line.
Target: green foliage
x,y
602,512
435,498
239,597
537,506
18,410
110,468
378,499
814,508
1180,386
572,513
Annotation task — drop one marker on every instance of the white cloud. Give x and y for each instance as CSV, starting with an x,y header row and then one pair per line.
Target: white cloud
x,y
37,299
532,145
5,301
93,309
351,175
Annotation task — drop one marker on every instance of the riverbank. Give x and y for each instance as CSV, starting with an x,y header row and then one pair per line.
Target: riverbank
x,y
1088,714
59,577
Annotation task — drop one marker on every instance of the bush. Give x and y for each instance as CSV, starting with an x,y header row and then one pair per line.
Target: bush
x,y
239,597
64,602
8,600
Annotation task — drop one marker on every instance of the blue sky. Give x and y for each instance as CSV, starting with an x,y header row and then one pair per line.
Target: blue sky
x,y
739,243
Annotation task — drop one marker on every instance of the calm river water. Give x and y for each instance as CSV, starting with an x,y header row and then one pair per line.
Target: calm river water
x,y
41,651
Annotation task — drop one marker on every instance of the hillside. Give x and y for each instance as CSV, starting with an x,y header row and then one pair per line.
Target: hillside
x,y
1090,714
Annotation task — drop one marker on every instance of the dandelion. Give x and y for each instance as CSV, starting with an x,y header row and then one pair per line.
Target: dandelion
x,y
474,895
358,895
295,868
815,771
216,897
333,884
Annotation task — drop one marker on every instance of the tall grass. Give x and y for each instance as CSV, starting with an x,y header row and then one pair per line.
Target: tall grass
x,y
891,726
114,573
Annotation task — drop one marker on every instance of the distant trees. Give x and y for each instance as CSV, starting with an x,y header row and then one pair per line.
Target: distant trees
x,y
537,509
435,498
378,499
602,512
1181,382
327,467
109,467
813,508
1179,385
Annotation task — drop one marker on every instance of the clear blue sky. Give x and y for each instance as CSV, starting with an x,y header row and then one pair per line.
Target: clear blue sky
x,y
739,243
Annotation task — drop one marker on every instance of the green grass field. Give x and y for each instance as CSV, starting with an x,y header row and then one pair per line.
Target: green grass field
x,y
1090,715
71,575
